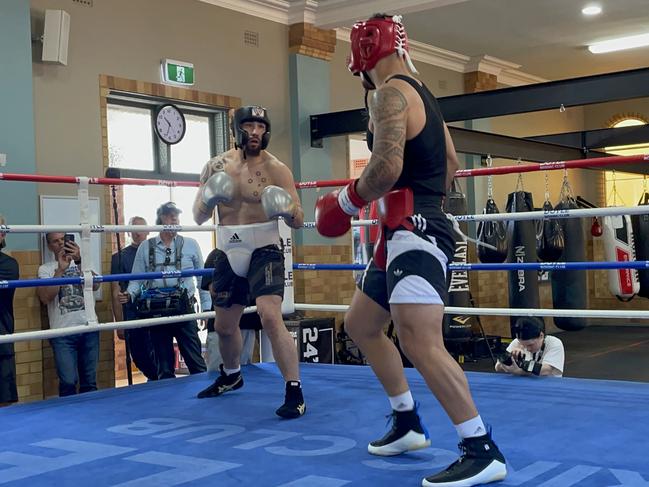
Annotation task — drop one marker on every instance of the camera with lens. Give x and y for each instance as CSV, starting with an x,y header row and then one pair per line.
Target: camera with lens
x,y
506,359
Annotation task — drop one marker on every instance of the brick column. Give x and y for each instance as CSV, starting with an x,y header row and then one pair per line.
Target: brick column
x,y
476,81
305,39
311,49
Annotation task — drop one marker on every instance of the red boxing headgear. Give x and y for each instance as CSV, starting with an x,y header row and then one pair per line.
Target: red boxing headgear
x,y
374,39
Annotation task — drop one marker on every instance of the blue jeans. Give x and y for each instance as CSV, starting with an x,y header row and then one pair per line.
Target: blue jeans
x,y
76,359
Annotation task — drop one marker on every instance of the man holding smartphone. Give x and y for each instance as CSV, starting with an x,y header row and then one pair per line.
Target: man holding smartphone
x,y
76,356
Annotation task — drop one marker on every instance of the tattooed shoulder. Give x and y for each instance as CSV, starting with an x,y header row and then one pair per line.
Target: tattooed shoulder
x,y
214,165
218,163
387,103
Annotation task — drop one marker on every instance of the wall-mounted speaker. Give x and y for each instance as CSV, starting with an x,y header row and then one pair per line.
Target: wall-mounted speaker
x,y
55,36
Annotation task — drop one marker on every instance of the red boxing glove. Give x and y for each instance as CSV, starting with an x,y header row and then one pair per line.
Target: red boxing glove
x,y
334,211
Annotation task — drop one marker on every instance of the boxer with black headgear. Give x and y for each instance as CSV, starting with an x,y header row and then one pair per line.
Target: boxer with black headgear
x,y
250,189
243,129
411,167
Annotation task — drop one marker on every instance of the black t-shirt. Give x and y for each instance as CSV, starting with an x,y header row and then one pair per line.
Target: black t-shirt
x,y
8,271
249,321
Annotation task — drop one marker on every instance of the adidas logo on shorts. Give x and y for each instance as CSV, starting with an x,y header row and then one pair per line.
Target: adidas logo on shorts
x,y
234,239
398,272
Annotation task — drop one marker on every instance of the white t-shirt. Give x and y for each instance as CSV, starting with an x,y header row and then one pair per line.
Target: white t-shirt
x,y
67,308
553,353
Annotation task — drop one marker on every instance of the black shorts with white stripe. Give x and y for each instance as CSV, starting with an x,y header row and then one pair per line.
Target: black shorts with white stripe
x,y
416,267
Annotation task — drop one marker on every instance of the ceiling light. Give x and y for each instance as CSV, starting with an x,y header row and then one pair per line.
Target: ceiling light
x,y
620,44
591,10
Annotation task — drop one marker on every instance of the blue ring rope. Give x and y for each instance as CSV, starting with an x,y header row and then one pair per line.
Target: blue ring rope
x,y
527,266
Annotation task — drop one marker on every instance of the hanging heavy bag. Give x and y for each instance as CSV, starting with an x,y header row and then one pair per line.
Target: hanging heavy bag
x,y
640,224
549,237
523,285
569,288
493,234
458,327
618,247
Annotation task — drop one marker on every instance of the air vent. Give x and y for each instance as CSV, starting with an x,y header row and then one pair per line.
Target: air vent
x,y
85,3
251,38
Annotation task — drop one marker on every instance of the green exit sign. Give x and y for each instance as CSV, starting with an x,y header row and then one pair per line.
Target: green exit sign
x,y
177,72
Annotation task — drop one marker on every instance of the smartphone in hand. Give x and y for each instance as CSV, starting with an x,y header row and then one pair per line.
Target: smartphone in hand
x,y
68,237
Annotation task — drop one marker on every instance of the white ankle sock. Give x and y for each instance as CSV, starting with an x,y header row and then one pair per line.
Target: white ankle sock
x,y
402,402
471,428
231,371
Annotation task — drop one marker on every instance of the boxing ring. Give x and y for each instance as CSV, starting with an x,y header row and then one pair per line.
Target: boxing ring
x,y
553,432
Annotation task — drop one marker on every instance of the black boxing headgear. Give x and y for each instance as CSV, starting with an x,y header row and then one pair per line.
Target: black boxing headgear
x,y
528,328
251,113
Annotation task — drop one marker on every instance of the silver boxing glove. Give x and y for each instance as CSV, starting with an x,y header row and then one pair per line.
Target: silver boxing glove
x,y
277,202
219,188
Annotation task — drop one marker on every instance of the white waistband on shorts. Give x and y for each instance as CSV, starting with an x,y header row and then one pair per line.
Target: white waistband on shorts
x,y
250,236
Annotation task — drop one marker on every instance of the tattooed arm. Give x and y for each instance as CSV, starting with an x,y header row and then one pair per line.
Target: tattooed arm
x,y
389,114
200,211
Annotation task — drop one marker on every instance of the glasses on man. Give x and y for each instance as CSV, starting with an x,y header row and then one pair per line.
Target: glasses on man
x,y
167,256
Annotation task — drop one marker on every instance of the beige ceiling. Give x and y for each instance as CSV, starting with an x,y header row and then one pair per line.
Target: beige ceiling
x,y
547,38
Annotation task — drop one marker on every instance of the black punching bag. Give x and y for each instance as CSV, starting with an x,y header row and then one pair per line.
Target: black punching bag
x,y
458,327
569,288
493,233
640,225
523,285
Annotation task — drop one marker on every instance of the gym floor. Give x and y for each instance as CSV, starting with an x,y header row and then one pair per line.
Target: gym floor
x,y
599,352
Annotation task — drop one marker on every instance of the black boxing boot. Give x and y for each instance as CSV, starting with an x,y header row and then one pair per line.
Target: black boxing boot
x,y
480,463
293,406
222,384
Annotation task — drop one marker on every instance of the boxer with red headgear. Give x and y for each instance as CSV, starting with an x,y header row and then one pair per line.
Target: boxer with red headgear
x,y
412,165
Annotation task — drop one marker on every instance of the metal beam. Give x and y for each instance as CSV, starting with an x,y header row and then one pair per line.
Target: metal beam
x,y
588,90
466,141
594,139
502,146
337,123
542,96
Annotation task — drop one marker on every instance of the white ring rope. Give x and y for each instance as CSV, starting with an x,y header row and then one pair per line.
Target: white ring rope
x,y
532,215
105,228
113,325
576,313
528,215
340,308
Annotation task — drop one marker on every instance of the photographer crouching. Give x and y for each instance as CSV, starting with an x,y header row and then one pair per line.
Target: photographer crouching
x,y
532,352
